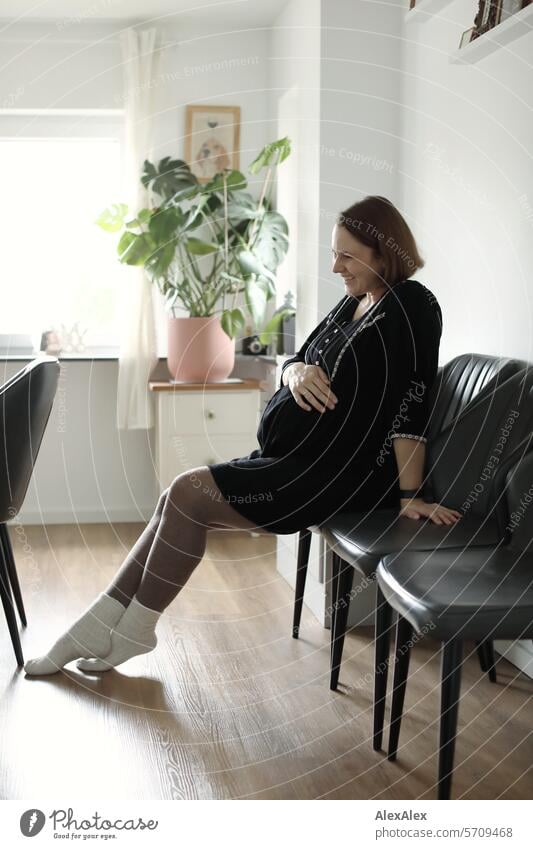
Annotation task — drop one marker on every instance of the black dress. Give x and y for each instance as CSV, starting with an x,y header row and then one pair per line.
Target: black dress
x,y
310,464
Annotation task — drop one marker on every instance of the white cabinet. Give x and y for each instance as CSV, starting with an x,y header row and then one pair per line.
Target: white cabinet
x,y
198,424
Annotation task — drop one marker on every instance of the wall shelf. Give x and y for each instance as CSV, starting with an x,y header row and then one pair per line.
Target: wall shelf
x,y
500,36
425,10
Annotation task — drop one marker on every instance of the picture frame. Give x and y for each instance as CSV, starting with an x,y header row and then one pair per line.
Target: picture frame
x,y
466,37
212,139
487,17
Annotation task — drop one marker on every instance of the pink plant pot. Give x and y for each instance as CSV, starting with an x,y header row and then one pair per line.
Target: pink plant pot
x,y
199,351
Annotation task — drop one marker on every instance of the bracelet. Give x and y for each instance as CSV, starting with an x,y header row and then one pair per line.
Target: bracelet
x,y
409,493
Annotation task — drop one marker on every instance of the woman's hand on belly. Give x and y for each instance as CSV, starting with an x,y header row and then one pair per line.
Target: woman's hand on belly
x,y
309,386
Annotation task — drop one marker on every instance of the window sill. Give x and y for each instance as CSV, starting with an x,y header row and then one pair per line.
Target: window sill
x,y
97,353
103,354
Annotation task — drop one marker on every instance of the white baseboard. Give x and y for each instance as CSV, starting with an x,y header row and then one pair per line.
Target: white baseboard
x,y
314,597
315,593
84,516
519,653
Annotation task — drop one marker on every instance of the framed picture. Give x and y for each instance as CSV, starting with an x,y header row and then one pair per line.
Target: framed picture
x,y
488,16
466,37
212,139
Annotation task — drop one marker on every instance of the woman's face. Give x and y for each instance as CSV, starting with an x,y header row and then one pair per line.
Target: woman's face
x,y
356,263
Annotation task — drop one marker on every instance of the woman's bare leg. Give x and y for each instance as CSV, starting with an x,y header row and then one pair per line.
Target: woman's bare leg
x,y
192,506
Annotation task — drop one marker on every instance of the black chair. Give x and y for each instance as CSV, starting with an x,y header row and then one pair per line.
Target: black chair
x,y
481,594
359,540
25,405
459,460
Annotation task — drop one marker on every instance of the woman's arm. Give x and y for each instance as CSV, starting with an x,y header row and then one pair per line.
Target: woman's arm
x,y
414,367
410,456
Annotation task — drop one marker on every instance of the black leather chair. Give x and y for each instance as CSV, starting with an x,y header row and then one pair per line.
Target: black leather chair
x,y
467,461
481,594
359,540
25,405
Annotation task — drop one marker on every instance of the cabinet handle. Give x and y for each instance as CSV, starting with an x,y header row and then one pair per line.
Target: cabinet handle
x,y
210,414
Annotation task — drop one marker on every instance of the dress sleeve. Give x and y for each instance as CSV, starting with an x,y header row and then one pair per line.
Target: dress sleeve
x,y
299,357
413,358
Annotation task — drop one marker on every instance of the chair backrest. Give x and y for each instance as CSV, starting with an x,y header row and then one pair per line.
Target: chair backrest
x,y
25,405
468,457
460,380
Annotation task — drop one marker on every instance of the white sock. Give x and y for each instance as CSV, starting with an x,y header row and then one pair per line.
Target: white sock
x,y
134,634
87,636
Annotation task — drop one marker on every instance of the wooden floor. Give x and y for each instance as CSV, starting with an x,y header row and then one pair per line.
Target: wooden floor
x,y
229,706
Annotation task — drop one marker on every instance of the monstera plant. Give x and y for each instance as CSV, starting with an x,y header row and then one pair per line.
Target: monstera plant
x,y
202,244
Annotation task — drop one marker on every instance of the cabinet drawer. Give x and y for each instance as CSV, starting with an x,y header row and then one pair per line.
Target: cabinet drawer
x,y
210,412
181,453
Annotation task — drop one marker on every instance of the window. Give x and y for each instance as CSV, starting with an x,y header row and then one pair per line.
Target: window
x,y
59,267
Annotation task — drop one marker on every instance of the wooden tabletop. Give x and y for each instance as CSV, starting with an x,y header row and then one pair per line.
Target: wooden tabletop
x,y
167,386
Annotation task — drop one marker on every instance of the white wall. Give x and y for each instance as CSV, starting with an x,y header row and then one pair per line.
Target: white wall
x,y
294,84
468,185
341,61
468,137
360,116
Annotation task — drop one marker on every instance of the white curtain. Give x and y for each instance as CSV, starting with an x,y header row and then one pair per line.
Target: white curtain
x,y
138,345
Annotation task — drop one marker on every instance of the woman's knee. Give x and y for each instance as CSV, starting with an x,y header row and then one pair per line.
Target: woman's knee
x,y
187,493
160,506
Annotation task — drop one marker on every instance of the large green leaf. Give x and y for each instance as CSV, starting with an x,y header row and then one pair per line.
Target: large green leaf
x,y
112,218
242,207
256,296
170,178
165,222
272,242
235,181
232,321
205,206
272,154
157,264
141,219
250,264
134,249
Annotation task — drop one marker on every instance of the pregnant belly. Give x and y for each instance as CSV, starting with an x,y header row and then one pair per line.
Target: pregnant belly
x,y
286,427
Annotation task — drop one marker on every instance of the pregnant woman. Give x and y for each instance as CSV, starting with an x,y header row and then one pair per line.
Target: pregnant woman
x,y
345,430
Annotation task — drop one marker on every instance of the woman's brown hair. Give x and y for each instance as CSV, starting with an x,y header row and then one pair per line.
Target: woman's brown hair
x,y
376,222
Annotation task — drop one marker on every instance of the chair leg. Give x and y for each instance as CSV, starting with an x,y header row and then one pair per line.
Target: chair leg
x,y
336,565
9,609
482,655
491,660
5,542
302,561
452,654
402,655
487,660
383,617
340,615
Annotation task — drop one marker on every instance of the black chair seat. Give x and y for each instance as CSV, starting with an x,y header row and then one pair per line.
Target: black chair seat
x,y
362,539
488,592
